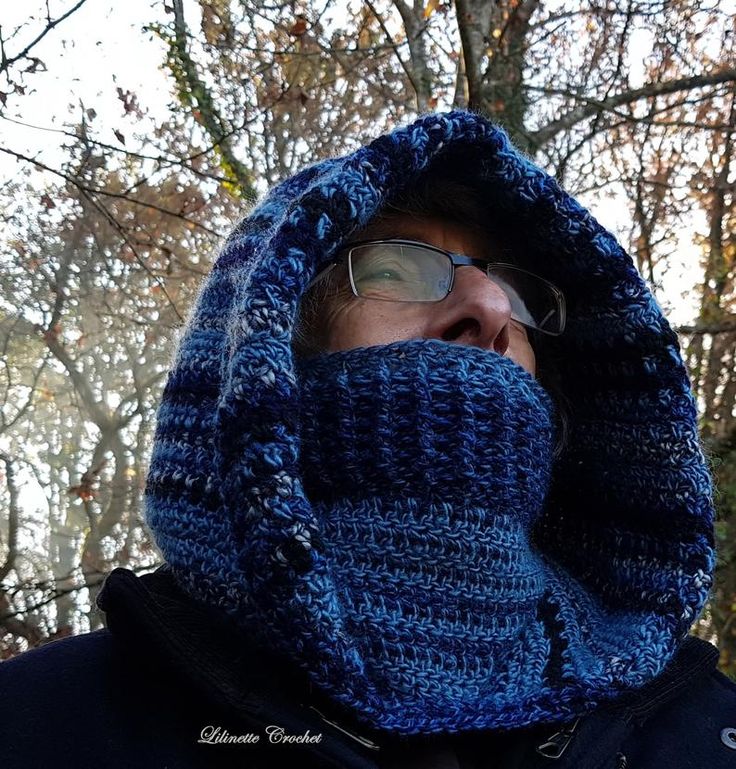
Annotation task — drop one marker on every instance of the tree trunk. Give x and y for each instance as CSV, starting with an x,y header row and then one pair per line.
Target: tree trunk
x,y
494,40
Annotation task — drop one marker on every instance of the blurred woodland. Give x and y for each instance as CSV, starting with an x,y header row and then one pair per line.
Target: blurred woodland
x,y
628,99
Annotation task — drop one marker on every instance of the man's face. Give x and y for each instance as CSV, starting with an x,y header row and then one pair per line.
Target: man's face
x,y
476,312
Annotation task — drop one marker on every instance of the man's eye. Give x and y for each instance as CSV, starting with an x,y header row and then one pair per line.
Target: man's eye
x,y
383,272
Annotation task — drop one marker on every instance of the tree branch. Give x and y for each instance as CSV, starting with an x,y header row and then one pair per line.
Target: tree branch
x,y
6,63
593,106
420,76
13,517
193,88
106,193
473,21
722,327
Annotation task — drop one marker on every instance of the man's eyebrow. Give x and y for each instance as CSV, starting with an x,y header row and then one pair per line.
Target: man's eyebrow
x,y
385,232
380,234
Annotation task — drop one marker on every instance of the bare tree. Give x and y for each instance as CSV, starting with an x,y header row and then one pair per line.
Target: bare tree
x,y
633,99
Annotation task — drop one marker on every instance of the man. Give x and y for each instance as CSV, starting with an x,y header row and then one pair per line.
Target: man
x,y
392,538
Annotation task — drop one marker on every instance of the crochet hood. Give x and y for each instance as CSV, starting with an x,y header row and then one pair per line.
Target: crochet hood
x,y
628,515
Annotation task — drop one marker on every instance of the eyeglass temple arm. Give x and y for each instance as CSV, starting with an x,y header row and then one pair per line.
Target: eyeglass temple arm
x,y
545,318
320,276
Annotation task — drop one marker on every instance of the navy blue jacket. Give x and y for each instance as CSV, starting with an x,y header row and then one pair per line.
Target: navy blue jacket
x,y
169,681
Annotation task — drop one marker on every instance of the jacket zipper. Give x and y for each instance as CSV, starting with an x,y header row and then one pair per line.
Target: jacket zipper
x,y
364,741
557,744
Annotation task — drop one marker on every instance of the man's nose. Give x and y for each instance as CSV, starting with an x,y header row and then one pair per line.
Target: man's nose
x,y
476,312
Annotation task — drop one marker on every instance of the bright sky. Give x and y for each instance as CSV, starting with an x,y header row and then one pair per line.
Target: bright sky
x,y
88,56
103,46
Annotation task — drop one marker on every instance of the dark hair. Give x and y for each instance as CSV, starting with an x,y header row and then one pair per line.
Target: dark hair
x,y
438,197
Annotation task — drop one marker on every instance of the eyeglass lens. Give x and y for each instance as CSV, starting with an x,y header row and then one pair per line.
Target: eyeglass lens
x,y
406,273
400,273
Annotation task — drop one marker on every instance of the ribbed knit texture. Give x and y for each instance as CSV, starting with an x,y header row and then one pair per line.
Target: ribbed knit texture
x,y
601,567
427,464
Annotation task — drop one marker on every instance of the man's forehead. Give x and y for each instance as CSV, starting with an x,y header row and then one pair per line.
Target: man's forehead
x,y
455,235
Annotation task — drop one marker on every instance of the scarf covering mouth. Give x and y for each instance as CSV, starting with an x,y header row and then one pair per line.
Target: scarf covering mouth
x,y
427,465
618,550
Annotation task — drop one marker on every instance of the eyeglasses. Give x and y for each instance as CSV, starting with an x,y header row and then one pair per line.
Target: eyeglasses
x,y
410,271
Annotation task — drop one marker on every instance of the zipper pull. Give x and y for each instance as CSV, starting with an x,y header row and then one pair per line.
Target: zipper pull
x,y
557,744
364,741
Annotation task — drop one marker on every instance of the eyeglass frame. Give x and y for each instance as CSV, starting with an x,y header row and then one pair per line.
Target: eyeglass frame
x,y
456,260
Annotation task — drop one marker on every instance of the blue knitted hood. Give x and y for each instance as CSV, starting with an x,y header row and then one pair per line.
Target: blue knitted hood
x,y
628,515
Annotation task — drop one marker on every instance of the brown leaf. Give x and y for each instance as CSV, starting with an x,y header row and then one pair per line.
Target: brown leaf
x,y
83,492
299,27
52,333
130,102
91,114
119,136
430,8
47,201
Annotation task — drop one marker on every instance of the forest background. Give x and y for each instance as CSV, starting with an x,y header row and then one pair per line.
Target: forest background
x,y
114,204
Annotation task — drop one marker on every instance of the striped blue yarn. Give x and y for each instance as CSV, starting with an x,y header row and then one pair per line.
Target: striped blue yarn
x,y
622,545
427,464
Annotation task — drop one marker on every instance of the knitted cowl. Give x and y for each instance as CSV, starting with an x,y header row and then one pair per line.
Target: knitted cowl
x,y
390,518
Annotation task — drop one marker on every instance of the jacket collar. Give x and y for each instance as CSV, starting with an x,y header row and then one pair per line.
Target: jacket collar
x,y
151,612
